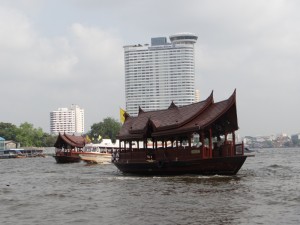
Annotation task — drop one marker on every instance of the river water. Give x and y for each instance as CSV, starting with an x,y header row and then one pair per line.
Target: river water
x,y
38,191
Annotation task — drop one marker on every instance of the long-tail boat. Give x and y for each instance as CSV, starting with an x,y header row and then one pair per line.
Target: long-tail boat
x,y
194,139
68,147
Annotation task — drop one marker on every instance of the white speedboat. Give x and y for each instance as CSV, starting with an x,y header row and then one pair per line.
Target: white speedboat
x,y
96,157
98,153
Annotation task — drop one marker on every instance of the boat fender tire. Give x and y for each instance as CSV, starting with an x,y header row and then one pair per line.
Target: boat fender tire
x,y
113,157
117,157
160,164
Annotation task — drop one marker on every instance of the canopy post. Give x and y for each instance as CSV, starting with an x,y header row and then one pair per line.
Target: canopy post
x,y
210,143
202,146
130,145
233,143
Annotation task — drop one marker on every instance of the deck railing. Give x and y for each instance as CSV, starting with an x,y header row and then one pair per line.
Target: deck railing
x,y
226,150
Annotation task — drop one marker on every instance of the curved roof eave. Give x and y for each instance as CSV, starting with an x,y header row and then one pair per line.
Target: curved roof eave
x,y
201,124
231,103
199,118
175,116
70,140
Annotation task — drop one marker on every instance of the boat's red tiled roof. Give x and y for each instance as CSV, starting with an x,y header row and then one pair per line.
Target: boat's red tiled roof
x,y
169,118
175,120
71,140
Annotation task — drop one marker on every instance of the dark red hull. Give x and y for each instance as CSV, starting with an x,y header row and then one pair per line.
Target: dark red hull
x,y
66,159
212,166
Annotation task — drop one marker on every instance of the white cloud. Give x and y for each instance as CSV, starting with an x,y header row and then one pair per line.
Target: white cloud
x,y
24,53
37,70
99,52
16,32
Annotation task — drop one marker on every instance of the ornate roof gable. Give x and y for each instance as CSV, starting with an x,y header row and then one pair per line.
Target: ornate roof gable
x,y
72,140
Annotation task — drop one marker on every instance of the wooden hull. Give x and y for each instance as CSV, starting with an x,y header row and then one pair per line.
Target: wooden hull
x,y
212,166
66,159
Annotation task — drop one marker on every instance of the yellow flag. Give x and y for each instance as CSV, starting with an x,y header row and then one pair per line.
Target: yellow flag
x,y
87,138
122,115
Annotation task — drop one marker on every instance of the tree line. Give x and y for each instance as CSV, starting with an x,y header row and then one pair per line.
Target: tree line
x,y
29,136
26,135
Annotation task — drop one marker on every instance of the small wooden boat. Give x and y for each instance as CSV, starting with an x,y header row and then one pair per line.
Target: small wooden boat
x,y
192,139
11,153
68,147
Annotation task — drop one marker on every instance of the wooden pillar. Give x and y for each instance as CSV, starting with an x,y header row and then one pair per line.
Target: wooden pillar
x,y
130,145
233,144
210,143
138,145
202,146
242,147
153,144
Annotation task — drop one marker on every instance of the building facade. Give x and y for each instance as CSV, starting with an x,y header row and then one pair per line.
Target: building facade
x,y
2,143
67,120
158,74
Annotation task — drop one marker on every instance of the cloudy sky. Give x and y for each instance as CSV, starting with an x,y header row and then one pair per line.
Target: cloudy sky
x,y
54,53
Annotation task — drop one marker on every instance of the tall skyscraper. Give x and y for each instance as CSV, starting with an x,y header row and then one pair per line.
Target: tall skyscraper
x,y
68,120
161,73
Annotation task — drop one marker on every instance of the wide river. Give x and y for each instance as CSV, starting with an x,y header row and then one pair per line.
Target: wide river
x,y
38,191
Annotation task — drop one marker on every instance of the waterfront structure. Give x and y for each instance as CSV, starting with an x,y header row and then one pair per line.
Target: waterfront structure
x,y
2,143
9,144
161,73
67,120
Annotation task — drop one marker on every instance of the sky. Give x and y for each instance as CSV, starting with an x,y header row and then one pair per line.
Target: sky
x,y
54,53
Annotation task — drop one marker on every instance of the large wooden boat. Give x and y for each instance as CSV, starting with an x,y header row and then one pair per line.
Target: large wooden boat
x,y
68,147
192,139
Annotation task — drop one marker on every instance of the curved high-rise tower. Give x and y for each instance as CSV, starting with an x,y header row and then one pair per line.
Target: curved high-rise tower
x,y
158,74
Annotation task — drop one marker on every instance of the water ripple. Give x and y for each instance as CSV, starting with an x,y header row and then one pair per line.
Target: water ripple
x,y
39,191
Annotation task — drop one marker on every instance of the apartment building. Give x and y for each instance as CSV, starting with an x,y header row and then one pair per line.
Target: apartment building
x,y
68,120
157,74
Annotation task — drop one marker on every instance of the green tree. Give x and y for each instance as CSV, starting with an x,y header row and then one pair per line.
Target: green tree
x,y
48,140
8,131
25,134
108,128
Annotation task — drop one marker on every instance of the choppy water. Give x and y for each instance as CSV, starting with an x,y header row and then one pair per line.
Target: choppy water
x,y
39,191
